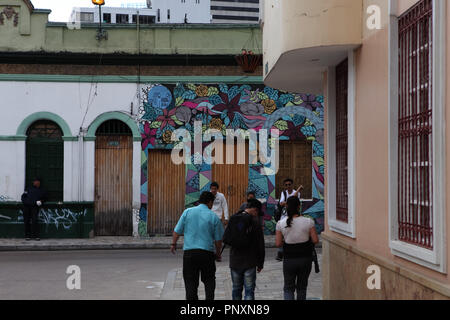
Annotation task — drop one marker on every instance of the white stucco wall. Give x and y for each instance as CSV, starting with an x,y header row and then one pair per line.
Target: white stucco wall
x,y
70,101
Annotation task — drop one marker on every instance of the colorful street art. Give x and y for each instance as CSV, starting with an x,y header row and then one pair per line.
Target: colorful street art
x,y
166,108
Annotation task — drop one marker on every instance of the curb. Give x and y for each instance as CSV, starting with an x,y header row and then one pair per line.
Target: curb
x,y
101,246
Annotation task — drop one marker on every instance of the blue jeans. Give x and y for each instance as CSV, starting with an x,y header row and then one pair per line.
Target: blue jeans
x,y
243,279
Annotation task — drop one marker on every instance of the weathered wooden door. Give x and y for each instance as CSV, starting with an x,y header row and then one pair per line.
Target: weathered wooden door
x,y
166,191
295,163
232,179
113,185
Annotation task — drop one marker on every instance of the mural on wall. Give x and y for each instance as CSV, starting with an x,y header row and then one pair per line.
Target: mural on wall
x,y
166,108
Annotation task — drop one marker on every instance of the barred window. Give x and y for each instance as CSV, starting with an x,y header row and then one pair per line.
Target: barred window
x,y
415,115
342,141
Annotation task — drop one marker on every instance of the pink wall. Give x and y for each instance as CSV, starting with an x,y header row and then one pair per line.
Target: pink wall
x,y
372,146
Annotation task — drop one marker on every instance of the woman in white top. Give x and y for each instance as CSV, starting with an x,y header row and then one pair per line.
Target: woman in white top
x,y
297,235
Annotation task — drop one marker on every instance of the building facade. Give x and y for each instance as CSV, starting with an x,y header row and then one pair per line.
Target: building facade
x,y
158,11
235,11
382,68
96,124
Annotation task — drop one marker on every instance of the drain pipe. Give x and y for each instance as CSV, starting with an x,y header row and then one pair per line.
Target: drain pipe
x,y
81,165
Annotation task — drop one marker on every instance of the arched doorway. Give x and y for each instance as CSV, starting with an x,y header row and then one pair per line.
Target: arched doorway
x,y
45,157
113,179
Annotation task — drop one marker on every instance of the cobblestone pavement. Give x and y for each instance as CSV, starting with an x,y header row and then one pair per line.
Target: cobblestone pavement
x,y
269,283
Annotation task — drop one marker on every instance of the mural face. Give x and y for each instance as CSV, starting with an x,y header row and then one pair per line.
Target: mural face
x,y
225,106
159,97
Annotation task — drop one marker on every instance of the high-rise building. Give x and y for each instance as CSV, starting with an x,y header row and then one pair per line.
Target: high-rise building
x,y
154,11
235,11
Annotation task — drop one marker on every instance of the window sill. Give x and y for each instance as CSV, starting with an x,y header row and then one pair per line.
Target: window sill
x,y
342,228
421,256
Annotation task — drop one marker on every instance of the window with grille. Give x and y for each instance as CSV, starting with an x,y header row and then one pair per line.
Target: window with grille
x,y
144,19
86,17
415,115
342,141
113,128
122,18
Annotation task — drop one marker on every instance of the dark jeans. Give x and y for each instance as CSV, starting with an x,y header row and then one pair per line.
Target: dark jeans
x,y
31,221
243,279
195,263
296,273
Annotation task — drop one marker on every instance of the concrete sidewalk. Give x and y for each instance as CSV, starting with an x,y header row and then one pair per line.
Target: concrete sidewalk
x,y
100,243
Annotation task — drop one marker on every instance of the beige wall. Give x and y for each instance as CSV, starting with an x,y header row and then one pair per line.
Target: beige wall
x,y
404,5
372,162
384,9
395,283
295,26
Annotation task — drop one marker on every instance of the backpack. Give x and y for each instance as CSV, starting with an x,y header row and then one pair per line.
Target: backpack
x,y
238,233
279,209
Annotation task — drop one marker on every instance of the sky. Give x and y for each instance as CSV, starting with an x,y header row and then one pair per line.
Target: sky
x,y
61,9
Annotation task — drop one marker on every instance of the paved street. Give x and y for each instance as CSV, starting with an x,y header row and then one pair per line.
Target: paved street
x,y
122,274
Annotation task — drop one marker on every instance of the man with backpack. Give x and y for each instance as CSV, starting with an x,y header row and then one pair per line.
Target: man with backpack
x,y
246,239
280,211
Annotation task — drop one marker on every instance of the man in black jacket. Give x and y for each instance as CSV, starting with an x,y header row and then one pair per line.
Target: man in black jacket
x,y
33,198
246,261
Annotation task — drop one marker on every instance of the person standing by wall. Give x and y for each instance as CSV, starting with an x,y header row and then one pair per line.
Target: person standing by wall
x,y
203,232
297,235
252,195
247,250
220,206
285,195
32,199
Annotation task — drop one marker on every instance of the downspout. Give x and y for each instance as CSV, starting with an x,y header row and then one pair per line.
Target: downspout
x,y
81,165
139,64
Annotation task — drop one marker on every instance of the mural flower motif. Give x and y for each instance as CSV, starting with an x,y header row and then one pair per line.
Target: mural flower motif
x,y
231,106
269,106
148,137
167,137
293,132
252,109
166,118
310,102
183,114
216,123
202,91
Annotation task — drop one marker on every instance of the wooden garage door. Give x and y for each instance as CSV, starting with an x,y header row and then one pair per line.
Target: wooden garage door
x,y
113,185
232,180
295,163
166,191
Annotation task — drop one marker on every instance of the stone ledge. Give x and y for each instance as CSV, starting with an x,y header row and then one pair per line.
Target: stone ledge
x,y
392,266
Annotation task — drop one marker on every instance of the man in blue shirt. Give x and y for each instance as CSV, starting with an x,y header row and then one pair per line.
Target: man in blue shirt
x,y
203,233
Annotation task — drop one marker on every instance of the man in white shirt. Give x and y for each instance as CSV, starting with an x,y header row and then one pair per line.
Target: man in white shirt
x,y
289,192
220,206
286,194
